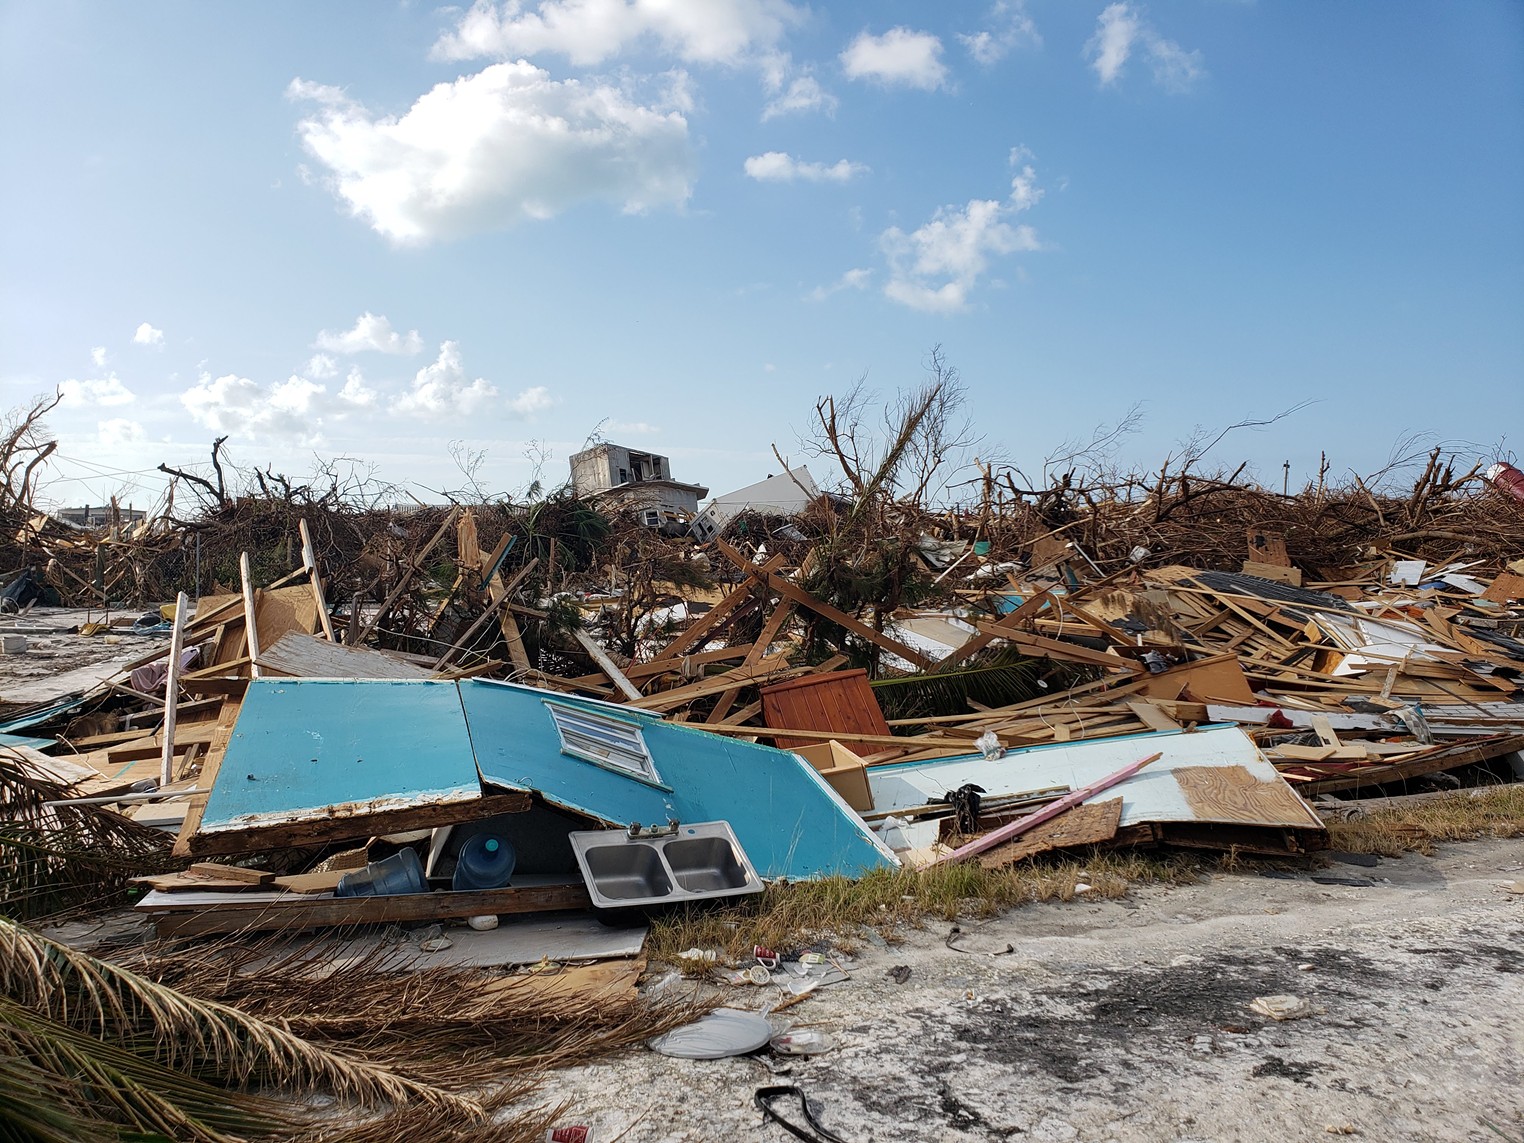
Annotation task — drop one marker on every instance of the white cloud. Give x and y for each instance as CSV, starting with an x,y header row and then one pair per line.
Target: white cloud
x,y
147,335
241,407
356,393
851,280
1008,27
322,366
531,401
781,167
936,266
98,356
105,391
632,428
441,389
803,94
588,32
370,332
900,56
496,148
1119,29
119,431
793,91
1175,69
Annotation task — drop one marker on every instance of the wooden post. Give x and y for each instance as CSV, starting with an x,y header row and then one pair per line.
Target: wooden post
x,y
309,560
172,691
352,632
609,667
250,625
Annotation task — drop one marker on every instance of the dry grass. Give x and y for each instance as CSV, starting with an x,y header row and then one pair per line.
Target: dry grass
x,y
1416,827
789,916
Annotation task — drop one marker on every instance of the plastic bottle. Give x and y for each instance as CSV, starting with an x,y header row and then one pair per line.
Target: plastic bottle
x,y
486,862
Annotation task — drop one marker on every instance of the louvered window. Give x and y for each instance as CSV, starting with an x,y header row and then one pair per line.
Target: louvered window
x,y
604,740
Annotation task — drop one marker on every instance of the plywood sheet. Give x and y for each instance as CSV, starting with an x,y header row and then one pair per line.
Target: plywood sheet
x,y
1232,794
1087,824
300,655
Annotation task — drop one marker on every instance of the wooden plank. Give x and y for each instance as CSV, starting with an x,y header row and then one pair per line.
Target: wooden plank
x,y
413,564
1011,619
825,610
765,639
610,668
237,873
1043,647
325,882
1047,813
197,807
1152,717
772,667
1430,762
250,613
341,827
1089,824
172,690
309,560
698,632
308,657
298,911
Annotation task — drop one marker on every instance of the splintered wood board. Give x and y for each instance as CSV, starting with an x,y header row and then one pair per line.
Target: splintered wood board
x,y
1232,794
1087,824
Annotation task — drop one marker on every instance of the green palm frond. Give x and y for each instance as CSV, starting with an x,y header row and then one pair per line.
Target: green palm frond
x,y
997,678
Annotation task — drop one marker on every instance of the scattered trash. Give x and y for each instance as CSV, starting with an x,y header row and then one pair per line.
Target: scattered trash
x,y
900,973
803,1042
1282,1006
724,1032
765,1097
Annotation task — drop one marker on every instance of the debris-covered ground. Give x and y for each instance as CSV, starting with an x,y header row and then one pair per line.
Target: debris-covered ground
x,y
370,777
1129,1020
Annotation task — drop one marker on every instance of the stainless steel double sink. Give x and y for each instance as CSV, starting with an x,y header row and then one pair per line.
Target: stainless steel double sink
x,y
692,862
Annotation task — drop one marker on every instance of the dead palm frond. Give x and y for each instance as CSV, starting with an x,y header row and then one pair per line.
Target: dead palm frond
x,y
59,858
201,1036
466,1024
57,1083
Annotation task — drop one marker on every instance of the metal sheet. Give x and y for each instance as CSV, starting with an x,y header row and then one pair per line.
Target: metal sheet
x,y
311,748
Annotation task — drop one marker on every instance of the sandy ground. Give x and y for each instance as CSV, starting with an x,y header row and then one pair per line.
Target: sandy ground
x,y
1129,1021
56,663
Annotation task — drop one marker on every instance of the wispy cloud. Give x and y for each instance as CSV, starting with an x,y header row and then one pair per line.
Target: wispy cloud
x,y
781,167
937,266
590,32
1120,29
1008,26
852,280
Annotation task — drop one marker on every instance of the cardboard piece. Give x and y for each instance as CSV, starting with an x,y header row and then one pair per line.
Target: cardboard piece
x,y
844,770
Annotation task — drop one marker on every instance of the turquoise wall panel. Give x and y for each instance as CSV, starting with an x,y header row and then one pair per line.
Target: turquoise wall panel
x,y
303,745
786,817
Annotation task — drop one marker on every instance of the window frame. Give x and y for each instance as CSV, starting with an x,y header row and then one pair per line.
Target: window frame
x,y
563,716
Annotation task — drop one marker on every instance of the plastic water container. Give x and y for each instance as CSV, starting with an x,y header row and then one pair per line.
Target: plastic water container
x,y
486,862
402,872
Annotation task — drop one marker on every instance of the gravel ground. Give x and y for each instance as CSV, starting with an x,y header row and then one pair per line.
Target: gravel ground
x,y
1129,1021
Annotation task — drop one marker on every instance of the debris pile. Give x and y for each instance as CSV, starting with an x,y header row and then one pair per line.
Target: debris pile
x,y
522,730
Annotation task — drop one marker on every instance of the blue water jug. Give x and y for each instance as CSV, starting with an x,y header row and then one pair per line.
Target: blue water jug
x,y
486,862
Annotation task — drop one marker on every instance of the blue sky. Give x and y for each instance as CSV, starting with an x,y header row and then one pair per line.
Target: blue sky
x,y
373,229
